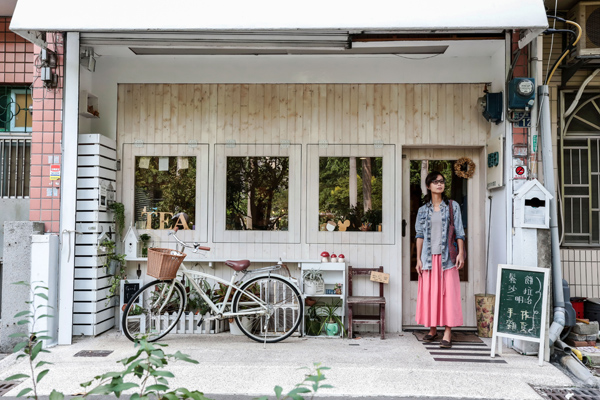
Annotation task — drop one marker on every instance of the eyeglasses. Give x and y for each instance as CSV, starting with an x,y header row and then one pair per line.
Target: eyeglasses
x,y
438,182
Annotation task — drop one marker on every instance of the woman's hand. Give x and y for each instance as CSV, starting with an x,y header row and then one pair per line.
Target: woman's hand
x,y
460,260
419,266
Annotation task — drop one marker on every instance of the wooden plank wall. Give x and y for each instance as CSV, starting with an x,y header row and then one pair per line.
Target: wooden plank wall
x,y
416,115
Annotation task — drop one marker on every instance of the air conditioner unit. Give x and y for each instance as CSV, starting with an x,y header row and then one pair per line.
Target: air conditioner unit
x,y
587,14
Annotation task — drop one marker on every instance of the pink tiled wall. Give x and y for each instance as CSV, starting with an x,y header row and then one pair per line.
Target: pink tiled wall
x,y
18,60
46,143
16,56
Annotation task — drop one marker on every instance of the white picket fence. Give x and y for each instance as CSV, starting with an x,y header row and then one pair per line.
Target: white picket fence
x,y
188,323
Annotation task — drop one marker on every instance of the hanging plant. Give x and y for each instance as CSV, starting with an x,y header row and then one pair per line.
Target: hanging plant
x,y
113,259
118,210
464,167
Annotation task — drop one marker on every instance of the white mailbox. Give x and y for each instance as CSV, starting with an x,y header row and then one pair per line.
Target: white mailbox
x,y
532,206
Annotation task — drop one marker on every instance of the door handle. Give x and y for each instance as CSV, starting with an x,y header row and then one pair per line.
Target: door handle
x,y
404,228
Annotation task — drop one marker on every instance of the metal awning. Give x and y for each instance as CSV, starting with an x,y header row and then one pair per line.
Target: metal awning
x,y
273,17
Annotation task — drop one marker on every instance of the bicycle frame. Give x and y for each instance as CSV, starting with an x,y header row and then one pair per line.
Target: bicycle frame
x,y
219,308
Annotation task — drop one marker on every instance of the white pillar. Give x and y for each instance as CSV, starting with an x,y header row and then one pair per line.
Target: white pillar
x,y
69,188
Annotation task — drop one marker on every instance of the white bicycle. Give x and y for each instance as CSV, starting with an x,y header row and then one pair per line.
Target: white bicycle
x,y
267,307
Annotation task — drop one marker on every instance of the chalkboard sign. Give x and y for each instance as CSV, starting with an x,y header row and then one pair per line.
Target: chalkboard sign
x,y
129,290
521,300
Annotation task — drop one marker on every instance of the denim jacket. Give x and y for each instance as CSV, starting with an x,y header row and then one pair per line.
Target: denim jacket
x,y
423,228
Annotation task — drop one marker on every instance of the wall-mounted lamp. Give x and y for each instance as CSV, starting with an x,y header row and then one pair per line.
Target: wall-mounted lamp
x,y
87,59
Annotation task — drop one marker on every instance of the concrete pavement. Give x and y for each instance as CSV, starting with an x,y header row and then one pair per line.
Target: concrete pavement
x,y
398,367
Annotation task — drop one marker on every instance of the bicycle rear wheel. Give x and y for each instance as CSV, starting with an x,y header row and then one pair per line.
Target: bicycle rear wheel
x,y
154,310
279,310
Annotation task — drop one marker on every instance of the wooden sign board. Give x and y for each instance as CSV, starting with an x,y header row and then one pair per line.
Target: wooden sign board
x,y
521,301
380,277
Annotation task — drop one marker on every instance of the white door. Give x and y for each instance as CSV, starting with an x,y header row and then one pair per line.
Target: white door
x,y
470,194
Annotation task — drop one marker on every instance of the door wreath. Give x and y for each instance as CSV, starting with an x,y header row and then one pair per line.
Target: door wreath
x,y
464,167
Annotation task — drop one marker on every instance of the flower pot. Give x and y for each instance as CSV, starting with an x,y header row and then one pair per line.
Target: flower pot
x,y
332,328
310,288
313,327
484,311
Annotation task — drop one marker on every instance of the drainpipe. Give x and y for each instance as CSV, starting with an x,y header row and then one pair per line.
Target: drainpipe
x,y
558,323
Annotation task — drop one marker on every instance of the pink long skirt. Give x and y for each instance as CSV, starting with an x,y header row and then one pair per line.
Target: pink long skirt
x,y
438,300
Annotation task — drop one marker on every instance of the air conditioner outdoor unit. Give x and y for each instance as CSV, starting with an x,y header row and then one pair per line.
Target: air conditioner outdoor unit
x,y
587,14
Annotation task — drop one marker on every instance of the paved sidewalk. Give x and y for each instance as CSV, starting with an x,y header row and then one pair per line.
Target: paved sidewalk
x,y
399,367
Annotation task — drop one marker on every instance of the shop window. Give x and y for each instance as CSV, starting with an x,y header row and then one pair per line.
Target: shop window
x,y
15,109
350,194
257,193
165,192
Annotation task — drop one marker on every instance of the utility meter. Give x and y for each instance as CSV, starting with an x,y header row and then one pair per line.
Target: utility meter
x,y
490,106
521,94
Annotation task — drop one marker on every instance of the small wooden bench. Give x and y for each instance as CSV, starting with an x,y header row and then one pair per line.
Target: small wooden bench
x,y
353,300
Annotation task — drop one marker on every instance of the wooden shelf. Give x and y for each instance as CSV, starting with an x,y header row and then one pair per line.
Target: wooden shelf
x,y
86,100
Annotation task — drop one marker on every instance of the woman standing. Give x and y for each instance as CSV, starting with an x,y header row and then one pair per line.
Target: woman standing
x,y
438,300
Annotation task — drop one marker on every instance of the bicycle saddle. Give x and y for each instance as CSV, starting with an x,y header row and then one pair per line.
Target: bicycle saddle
x,y
238,265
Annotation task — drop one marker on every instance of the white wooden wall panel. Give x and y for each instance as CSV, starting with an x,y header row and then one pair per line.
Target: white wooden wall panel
x,y
416,115
96,161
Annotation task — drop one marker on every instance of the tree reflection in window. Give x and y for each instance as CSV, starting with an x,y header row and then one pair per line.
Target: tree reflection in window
x,y
164,185
257,193
350,193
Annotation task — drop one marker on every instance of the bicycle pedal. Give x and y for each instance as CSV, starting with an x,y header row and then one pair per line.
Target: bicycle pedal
x,y
201,321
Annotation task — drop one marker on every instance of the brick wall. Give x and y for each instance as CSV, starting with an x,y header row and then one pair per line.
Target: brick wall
x,y
18,61
520,135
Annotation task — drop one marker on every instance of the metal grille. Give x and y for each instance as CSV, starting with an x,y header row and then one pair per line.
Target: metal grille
x,y
6,386
15,109
15,166
93,353
592,28
569,393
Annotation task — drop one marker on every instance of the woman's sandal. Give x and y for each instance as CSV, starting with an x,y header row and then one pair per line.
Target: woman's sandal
x,y
445,344
430,338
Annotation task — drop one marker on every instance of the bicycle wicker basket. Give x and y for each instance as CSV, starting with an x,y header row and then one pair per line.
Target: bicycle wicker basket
x,y
164,263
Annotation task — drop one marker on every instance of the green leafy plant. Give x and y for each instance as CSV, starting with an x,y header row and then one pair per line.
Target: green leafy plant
x,y
118,210
309,386
313,320
109,247
147,367
313,275
329,313
31,344
145,238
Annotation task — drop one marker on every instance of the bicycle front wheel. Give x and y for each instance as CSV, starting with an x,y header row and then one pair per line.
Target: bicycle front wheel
x,y
154,310
274,315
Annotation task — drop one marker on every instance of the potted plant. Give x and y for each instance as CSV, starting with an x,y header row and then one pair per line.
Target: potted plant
x,y
118,210
331,321
313,282
313,321
145,238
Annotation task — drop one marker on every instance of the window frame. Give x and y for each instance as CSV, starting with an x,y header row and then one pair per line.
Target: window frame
x,y
587,136
13,96
201,152
224,150
387,234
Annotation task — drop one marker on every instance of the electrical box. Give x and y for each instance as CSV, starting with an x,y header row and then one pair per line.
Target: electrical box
x,y
495,162
532,206
490,106
521,94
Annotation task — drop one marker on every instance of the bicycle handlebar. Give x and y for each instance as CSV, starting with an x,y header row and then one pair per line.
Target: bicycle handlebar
x,y
194,246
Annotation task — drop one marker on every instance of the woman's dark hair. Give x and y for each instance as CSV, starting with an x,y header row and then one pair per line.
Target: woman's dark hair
x,y
432,176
